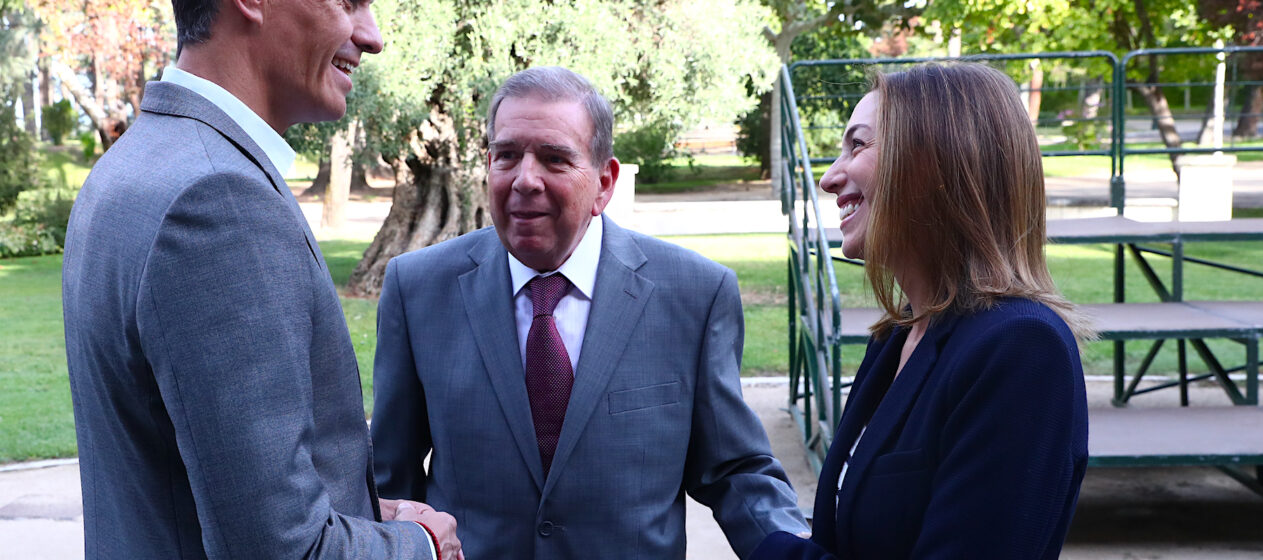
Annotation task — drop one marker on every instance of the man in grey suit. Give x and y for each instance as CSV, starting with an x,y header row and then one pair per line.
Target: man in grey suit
x,y
569,379
216,393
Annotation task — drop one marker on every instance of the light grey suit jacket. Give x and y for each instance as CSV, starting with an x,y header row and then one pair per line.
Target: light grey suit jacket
x,y
216,394
656,409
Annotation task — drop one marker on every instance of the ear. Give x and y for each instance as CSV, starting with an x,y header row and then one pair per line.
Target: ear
x,y
251,10
605,186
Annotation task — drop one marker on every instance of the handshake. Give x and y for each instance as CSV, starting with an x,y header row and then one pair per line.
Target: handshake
x,y
441,525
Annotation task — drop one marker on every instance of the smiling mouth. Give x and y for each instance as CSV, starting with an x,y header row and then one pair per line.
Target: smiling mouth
x,y
527,215
344,66
848,204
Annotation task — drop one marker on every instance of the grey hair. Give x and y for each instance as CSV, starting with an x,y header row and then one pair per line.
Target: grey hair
x,y
554,83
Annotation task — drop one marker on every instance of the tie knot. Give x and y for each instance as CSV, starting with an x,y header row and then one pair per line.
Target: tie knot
x,y
546,291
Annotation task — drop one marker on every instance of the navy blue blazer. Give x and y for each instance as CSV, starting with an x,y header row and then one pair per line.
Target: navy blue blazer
x,y
976,450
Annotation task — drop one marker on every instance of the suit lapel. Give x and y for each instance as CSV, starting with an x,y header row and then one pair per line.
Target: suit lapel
x,y
618,301
486,292
891,410
166,98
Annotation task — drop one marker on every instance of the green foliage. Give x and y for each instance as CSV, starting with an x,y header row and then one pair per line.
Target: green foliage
x,y
665,62
754,134
87,141
27,240
1083,135
60,119
19,162
48,210
18,27
649,147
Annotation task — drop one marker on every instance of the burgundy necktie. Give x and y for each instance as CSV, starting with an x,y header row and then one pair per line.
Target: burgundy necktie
x,y
549,376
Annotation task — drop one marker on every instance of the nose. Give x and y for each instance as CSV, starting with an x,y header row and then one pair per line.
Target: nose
x,y
528,177
834,179
365,34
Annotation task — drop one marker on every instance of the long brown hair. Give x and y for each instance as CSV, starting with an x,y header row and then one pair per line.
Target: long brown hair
x,y
959,195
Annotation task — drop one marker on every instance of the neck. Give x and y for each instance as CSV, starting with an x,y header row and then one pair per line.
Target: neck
x,y
242,79
913,286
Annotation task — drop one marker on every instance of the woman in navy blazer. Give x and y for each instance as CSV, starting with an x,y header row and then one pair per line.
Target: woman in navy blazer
x,y
965,433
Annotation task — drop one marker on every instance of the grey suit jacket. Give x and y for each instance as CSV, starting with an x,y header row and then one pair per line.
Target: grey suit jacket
x,y
656,409
216,394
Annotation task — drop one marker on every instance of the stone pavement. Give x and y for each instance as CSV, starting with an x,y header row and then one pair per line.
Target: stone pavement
x,y
1159,514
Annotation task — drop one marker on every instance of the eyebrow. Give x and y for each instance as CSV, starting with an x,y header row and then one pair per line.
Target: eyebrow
x,y
565,150
851,130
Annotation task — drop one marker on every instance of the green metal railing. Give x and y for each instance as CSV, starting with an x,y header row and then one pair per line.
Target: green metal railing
x,y
815,311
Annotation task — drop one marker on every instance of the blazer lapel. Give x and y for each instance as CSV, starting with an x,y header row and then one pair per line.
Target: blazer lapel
x,y
165,98
618,301
866,395
887,420
485,291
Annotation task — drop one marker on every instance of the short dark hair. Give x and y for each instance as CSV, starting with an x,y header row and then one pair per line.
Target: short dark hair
x,y
193,19
554,83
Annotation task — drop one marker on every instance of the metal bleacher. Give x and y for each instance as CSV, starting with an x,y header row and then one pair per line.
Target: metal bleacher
x,y
1228,437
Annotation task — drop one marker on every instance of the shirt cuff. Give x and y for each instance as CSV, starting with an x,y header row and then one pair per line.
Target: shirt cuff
x,y
432,540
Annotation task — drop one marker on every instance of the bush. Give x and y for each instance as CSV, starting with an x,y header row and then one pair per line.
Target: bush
x,y
26,240
650,147
19,163
46,209
753,134
59,120
87,141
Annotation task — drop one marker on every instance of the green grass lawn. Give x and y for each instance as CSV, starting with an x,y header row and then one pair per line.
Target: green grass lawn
x,y
64,167
706,170
35,412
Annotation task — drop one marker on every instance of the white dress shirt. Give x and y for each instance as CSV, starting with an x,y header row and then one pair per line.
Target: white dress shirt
x,y
571,314
847,464
256,128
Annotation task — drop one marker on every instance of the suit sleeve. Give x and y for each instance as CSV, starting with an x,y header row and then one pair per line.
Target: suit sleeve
x,y
401,434
225,311
730,467
784,546
1013,448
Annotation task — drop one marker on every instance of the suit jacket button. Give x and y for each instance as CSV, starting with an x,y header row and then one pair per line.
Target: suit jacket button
x,y
546,528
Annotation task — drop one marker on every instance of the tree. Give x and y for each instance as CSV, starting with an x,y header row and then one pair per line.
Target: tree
x,y
663,63
1245,19
1072,25
103,52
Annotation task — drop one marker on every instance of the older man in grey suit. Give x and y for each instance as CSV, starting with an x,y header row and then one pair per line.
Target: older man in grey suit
x,y
570,380
216,394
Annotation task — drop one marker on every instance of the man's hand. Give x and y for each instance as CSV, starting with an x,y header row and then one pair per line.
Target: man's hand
x,y
442,525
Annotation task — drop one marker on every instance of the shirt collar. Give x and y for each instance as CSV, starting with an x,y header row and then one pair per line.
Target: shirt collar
x,y
273,144
579,269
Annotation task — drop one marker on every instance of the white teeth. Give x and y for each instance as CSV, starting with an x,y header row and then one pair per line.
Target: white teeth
x,y
847,210
343,66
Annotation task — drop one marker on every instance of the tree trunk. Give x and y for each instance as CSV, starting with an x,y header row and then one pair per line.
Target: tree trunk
x,y
108,128
1036,91
437,197
1161,111
334,215
1092,97
320,185
359,179
1248,125
30,109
